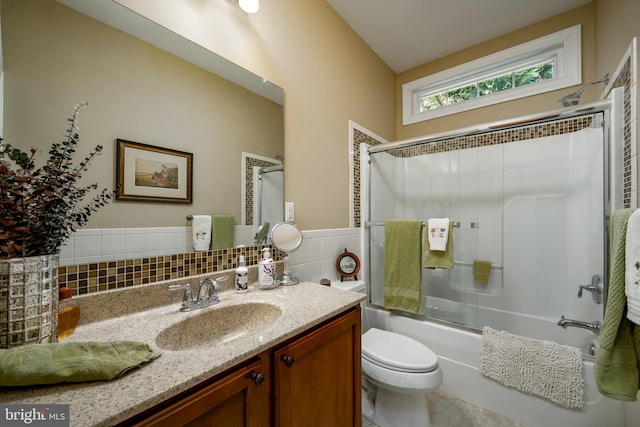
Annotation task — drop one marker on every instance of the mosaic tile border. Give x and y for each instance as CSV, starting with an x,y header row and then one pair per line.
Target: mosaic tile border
x,y
623,79
250,162
496,137
359,138
102,276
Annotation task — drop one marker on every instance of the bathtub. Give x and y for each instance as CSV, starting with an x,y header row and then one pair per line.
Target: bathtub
x,y
457,350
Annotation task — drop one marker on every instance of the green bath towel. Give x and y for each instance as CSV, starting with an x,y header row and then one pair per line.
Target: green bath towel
x,y
617,363
222,231
71,362
439,259
402,270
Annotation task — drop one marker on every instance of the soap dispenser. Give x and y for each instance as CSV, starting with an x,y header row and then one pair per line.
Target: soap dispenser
x,y
242,278
266,268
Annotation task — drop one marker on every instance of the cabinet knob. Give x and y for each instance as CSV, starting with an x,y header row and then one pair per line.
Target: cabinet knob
x,y
258,379
288,361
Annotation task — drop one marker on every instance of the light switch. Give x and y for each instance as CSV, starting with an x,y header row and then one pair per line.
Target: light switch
x,y
289,211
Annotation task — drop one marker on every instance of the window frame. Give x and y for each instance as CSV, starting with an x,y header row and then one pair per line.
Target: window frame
x,y
564,45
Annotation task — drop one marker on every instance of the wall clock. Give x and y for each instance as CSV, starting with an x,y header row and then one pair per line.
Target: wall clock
x,y
348,265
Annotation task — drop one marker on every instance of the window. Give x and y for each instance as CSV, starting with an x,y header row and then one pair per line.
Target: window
x,y
545,64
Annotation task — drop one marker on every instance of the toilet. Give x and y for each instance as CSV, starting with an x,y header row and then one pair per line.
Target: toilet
x,y
397,372
403,371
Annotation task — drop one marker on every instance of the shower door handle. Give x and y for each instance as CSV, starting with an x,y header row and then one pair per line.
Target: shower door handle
x,y
595,288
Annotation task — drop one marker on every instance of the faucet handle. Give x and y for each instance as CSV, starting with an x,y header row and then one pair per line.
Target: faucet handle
x,y
595,288
216,285
187,296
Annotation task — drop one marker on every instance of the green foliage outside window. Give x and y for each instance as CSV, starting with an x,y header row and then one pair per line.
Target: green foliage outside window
x,y
522,77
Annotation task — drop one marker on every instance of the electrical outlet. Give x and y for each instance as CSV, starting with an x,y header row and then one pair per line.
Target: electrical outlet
x,y
289,211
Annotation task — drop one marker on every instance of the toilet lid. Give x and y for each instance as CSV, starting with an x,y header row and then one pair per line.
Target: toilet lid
x,y
397,352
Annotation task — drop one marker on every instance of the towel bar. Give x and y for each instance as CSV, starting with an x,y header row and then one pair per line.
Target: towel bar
x,y
470,264
455,224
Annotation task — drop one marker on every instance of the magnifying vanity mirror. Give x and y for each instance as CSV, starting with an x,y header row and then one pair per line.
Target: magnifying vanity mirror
x,y
286,237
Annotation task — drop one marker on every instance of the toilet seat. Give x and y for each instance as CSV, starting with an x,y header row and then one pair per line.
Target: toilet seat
x,y
397,352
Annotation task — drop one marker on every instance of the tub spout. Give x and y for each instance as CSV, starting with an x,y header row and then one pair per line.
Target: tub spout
x,y
592,326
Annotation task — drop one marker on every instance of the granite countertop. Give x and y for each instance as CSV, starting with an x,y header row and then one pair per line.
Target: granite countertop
x,y
107,403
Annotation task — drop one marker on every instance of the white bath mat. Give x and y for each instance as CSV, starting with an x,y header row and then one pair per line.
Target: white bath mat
x,y
542,368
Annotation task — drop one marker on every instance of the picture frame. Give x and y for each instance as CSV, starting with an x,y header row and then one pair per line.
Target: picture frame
x,y
147,173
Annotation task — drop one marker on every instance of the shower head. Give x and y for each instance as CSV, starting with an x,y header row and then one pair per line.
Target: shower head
x,y
574,98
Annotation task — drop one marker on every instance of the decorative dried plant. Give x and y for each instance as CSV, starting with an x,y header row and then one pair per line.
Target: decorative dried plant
x,y
40,208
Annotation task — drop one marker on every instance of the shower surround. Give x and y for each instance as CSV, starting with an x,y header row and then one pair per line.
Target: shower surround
x,y
532,201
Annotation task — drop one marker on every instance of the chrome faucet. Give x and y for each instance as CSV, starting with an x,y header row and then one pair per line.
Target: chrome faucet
x,y
592,326
207,294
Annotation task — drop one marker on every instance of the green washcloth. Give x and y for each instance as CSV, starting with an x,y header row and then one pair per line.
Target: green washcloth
x,y
617,363
72,362
222,231
402,271
481,271
438,259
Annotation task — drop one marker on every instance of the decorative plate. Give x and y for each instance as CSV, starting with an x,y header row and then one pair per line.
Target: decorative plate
x,y
348,265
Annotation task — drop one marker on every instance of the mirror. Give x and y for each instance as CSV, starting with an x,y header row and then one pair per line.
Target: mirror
x,y
287,238
143,84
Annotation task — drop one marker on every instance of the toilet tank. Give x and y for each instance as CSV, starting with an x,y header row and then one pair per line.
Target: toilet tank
x,y
350,285
354,286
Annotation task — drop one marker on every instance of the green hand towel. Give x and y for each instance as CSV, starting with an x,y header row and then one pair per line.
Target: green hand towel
x,y
481,271
74,362
402,270
617,360
222,231
438,259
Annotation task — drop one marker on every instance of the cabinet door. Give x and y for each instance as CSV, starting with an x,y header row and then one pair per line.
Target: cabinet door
x,y
237,399
317,377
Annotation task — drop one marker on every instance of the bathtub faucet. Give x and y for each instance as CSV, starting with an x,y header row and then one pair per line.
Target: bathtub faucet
x,y
592,326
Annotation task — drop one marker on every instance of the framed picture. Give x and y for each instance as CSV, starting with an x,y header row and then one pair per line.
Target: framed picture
x,y
153,174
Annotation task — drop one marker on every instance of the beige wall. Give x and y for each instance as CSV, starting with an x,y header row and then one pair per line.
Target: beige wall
x,y
55,57
548,101
329,75
617,24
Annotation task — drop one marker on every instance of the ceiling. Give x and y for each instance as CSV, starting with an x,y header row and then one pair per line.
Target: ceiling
x,y
408,33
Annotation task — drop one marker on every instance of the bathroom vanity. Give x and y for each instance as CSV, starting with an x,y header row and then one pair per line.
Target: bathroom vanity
x,y
298,365
289,385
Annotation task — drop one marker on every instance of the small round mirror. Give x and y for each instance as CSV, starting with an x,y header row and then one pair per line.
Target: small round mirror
x,y
286,237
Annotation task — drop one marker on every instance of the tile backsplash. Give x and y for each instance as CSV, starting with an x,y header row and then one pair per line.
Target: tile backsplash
x,y
96,260
112,244
316,257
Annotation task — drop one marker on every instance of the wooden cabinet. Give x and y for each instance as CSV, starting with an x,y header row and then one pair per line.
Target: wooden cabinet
x,y
310,380
317,376
239,399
